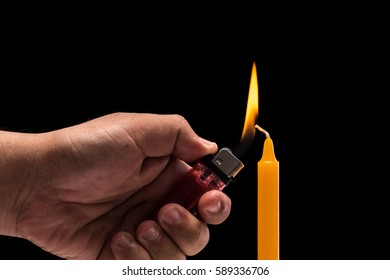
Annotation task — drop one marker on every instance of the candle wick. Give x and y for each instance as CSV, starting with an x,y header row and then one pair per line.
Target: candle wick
x,y
262,130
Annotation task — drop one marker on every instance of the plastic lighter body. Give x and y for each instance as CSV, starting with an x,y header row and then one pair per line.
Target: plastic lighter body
x,y
212,172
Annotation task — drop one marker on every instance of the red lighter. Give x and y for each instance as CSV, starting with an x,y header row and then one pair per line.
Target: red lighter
x,y
212,172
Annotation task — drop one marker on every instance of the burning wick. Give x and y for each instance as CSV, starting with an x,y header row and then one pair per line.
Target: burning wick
x,y
262,130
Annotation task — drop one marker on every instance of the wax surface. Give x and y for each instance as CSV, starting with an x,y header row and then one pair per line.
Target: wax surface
x,y
268,204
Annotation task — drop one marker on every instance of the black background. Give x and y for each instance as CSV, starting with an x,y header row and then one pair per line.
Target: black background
x,y
320,99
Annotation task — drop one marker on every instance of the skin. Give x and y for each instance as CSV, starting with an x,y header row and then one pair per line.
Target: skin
x,y
86,191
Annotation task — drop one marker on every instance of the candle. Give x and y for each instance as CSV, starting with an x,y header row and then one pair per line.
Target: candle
x,y
267,202
267,179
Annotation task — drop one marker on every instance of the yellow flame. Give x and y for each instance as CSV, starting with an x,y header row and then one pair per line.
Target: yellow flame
x,y
252,107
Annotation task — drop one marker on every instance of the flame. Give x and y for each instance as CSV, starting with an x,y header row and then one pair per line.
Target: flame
x,y
252,110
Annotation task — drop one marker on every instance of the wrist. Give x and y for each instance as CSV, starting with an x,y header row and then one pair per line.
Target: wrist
x,y
17,162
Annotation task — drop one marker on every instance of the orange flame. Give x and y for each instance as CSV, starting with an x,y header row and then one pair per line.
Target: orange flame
x,y
252,110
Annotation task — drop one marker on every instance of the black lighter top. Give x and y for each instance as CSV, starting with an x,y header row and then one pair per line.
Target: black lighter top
x,y
224,164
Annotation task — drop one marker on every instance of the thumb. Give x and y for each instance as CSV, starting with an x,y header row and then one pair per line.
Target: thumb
x,y
163,135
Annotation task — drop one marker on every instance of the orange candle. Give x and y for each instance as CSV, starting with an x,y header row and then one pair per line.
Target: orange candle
x,y
267,202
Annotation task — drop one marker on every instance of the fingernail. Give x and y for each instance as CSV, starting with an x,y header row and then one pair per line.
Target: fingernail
x,y
215,208
124,242
172,217
151,233
207,142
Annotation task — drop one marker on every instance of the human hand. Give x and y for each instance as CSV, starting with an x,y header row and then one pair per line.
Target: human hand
x,y
86,191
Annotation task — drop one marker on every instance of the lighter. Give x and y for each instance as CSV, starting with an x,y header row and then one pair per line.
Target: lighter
x,y
212,172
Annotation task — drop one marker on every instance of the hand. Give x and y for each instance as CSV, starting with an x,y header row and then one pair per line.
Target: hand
x,y
85,192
